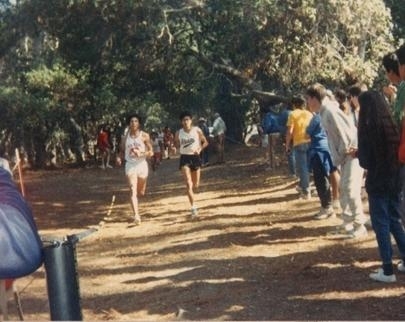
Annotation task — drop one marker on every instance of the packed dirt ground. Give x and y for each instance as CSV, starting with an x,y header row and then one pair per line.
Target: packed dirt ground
x,y
256,253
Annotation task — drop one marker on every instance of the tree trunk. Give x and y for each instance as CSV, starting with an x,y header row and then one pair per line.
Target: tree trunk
x,y
76,141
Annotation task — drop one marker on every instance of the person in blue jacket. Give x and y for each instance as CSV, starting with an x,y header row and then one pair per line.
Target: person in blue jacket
x,y
320,162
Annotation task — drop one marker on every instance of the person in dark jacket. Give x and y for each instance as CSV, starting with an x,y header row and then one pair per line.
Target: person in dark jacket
x,y
378,141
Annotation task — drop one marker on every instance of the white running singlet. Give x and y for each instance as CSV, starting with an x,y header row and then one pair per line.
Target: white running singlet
x,y
189,142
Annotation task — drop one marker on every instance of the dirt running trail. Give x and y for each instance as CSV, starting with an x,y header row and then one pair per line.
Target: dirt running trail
x,y
255,253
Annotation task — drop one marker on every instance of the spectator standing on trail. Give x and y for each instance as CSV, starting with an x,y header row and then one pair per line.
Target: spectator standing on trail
x,y
134,149
378,139
190,140
104,146
282,121
321,163
399,118
296,135
342,99
157,146
202,124
354,92
219,131
168,142
342,141
391,67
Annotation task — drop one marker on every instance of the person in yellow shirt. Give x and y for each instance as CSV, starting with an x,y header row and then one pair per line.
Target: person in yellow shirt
x,y
298,140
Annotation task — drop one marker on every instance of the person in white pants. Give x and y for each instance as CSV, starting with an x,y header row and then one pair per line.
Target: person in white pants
x,y
342,141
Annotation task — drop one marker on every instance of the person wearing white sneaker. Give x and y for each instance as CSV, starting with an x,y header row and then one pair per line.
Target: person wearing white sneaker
x,y
194,212
325,213
135,147
320,161
380,276
357,232
378,139
190,141
342,142
296,136
401,267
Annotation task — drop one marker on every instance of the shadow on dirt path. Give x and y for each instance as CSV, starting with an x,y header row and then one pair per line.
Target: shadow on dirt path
x,y
254,254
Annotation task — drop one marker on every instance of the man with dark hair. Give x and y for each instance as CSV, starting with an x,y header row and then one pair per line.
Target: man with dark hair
x,y
390,63
191,141
134,149
354,92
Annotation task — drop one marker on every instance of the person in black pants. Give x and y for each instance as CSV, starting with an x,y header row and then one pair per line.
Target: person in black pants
x,y
321,163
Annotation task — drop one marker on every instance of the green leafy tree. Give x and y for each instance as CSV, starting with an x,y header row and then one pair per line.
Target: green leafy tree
x,y
398,18
78,63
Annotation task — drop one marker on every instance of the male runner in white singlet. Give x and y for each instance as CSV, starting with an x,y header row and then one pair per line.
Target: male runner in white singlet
x,y
190,140
135,148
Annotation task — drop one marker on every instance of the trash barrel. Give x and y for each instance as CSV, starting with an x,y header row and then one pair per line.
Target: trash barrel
x,y
62,280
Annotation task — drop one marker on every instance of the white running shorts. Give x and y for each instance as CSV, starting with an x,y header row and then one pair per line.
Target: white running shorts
x,y
140,169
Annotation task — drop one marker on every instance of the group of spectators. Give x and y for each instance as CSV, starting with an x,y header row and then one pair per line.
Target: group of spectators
x,y
345,136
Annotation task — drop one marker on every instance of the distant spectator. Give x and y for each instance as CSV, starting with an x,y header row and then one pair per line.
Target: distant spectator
x,y
157,146
297,137
104,146
168,142
342,99
219,131
282,121
354,92
202,124
391,67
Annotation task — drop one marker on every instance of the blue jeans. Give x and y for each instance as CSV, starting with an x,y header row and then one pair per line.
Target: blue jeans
x,y
291,162
301,164
385,218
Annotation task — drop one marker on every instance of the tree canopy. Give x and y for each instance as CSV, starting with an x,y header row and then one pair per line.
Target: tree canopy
x,y
70,65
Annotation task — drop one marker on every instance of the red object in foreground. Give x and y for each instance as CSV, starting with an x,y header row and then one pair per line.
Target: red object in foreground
x,y
9,283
